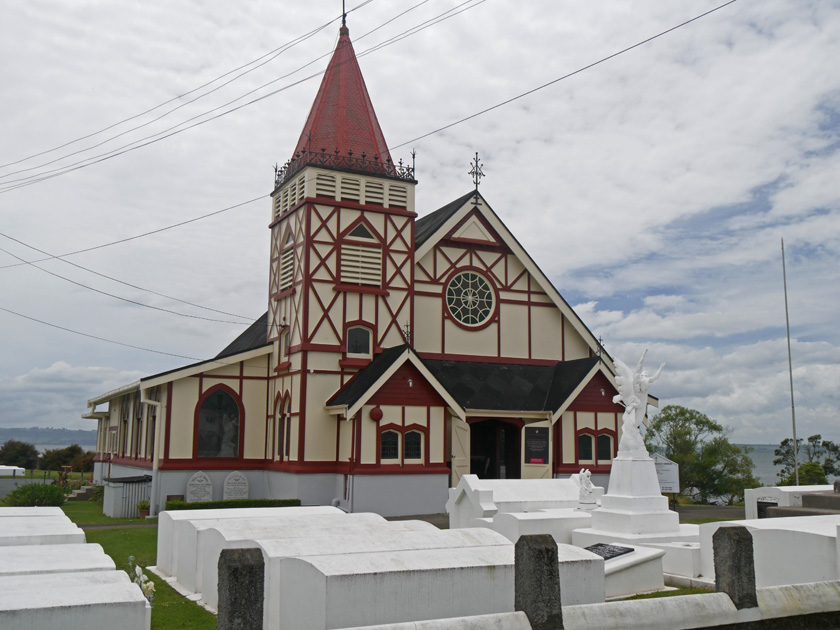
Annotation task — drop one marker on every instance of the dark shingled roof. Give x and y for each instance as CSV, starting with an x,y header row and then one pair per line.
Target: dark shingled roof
x,y
425,226
477,385
255,336
510,386
359,384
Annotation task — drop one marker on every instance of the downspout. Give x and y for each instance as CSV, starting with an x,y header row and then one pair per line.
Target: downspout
x,y
153,505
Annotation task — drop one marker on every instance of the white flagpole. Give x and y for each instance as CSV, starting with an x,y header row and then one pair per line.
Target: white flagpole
x,y
790,371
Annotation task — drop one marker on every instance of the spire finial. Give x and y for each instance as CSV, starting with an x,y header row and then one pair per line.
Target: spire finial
x,y
476,173
343,14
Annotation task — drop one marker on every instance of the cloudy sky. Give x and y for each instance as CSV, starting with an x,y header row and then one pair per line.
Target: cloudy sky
x,y
652,188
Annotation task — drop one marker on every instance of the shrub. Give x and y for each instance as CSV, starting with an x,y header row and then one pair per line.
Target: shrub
x,y
143,505
35,494
233,503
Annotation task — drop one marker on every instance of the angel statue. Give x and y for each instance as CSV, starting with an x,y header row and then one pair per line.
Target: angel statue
x,y
633,386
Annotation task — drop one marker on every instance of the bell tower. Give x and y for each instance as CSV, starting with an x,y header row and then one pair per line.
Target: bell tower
x,y
342,253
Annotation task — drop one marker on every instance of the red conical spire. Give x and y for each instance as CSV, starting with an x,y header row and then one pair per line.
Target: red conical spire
x,y
342,115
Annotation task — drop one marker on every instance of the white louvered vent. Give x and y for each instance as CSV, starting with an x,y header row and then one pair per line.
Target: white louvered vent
x,y
301,189
287,269
292,196
278,206
351,188
361,264
398,196
374,192
325,185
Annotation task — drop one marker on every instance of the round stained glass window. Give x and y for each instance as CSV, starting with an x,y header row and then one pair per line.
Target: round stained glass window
x,y
469,298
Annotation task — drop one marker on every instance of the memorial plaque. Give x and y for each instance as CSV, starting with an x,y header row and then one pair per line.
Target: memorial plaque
x,y
608,552
668,473
236,486
199,488
536,445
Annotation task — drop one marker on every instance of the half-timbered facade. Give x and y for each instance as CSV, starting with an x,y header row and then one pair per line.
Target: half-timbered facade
x,y
397,353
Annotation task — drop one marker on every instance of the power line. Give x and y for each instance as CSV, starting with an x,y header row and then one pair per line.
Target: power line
x,y
174,130
117,297
107,277
565,76
118,343
273,54
144,234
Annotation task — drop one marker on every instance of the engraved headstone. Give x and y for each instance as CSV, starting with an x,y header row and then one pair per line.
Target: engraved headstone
x,y
236,486
199,488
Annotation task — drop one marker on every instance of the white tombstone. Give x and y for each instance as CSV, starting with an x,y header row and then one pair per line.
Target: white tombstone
x,y
782,496
787,550
31,512
62,601
171,524
212,542
199,488
31,559
190,555
236,486
476,498
46,530
558,523
337,591
276,549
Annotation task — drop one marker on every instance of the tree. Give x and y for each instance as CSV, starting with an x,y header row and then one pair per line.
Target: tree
x,y
823,452
55,458
17,453
810,474
711,467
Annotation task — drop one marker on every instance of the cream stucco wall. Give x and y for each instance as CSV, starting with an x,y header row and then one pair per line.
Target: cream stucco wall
x,y
184,399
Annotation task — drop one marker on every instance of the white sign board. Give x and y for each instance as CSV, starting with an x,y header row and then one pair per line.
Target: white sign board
x,y
668,473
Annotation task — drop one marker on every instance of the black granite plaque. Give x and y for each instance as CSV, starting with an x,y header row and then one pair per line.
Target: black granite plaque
x,y
536,445
608,552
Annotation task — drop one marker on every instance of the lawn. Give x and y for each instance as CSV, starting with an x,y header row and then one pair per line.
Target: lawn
x,y
170,611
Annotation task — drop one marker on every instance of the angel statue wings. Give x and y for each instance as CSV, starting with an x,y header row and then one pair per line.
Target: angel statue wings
x,y
633,386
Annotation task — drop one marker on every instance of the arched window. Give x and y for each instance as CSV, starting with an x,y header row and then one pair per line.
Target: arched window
x,y
218,426
281,429
413,445
389,445
358,342
585,450
604,448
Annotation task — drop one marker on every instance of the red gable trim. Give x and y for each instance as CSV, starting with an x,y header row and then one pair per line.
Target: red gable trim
x,y
397,391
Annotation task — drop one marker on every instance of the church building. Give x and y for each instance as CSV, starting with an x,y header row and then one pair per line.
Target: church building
x,y
401,349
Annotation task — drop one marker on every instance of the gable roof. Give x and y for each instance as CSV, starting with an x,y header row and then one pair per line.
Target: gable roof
x,y
432,227
342,117
511,386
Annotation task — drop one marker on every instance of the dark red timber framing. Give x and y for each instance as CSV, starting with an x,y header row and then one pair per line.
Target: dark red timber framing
x,y
596,397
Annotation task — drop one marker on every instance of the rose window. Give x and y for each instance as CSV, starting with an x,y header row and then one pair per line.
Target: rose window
x,y
469,298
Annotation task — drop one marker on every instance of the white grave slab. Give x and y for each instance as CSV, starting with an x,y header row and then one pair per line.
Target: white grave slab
x,y
483,498
11,470
337,591
72,601
46,530
277,549
236,486
639,571
558,523
32,511
172,523
789,550
191,554
31,559
199,488
782,496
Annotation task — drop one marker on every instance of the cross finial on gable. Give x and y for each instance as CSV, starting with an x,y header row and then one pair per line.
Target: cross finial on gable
x,y
476,173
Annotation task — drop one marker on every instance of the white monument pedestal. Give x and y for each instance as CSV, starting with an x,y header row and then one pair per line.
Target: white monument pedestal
x,y
633,510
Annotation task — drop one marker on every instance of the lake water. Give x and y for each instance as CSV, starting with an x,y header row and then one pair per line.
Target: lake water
x,y
762,456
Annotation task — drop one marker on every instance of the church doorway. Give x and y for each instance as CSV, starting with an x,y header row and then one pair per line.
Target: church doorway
x,y
495,449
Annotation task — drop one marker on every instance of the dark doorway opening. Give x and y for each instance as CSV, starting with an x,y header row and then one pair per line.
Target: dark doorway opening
x,y
495,449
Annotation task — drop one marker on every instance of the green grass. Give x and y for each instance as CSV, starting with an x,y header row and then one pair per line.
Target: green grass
x,y
90,513
170,611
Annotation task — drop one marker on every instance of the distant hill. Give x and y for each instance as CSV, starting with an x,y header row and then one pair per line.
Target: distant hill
x,y
39,435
